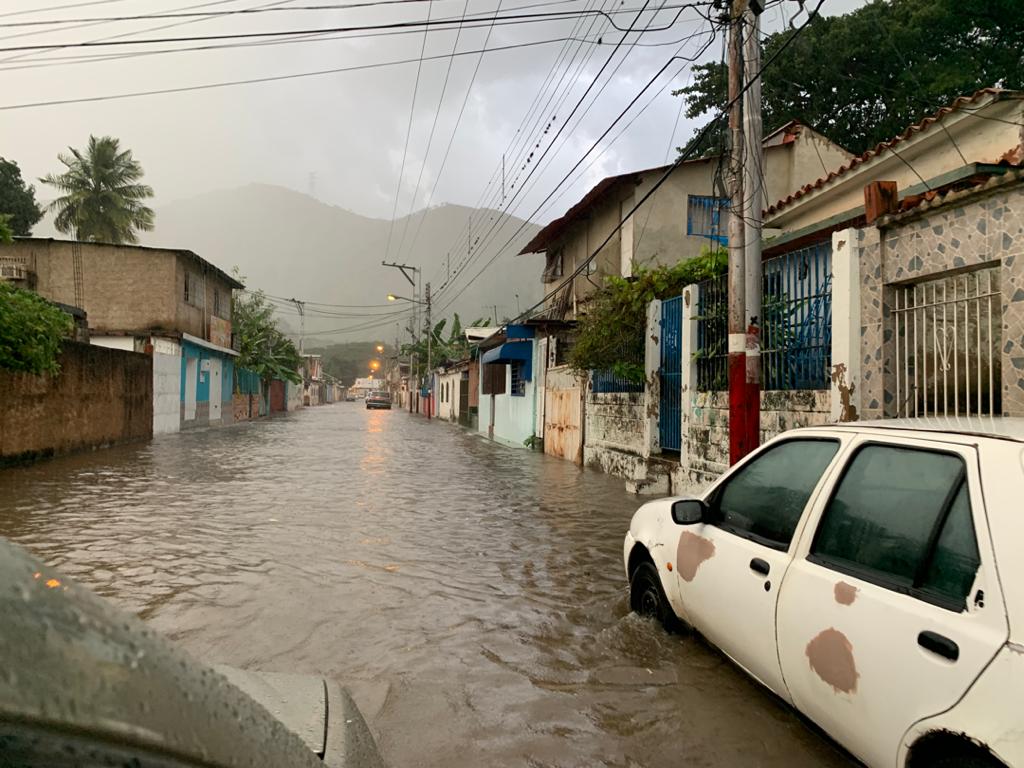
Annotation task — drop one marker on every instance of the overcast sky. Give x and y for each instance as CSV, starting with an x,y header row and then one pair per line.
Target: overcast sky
x,y
342,136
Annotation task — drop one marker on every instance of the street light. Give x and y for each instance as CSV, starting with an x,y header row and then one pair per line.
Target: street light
x,y
380,348
392,297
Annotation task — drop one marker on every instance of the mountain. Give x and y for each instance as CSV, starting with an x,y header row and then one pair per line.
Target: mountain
x,y
292,245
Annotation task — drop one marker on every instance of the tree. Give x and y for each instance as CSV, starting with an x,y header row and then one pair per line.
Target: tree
x,y
31,331
453,347
862,78
17,200
103,199
612,327
6,233
263,348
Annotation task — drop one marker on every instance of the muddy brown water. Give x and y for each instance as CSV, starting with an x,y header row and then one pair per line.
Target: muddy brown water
x,y
471,595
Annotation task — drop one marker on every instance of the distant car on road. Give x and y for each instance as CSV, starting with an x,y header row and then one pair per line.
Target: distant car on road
x,y
378,400
870,575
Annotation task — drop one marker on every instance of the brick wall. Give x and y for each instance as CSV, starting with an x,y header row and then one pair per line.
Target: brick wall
x,y
101,397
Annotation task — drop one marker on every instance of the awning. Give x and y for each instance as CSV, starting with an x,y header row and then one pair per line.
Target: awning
x,y
509,352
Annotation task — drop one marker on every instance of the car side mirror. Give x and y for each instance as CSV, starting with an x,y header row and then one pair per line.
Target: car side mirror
x,y
689,511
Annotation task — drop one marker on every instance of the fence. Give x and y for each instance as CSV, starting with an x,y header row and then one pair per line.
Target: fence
x,y
948,345
609,381
712,353
796,319
670,405
247,382
796,323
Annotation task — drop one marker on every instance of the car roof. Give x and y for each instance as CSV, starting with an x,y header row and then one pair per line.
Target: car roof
x,y
997,427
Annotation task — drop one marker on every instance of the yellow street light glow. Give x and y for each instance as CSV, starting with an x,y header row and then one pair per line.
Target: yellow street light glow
x,y
392,297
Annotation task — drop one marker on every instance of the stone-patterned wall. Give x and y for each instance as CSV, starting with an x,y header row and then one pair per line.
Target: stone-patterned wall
x,y
707,438
956,233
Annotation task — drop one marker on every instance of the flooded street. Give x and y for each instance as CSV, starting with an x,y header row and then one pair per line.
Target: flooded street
x,y
472,596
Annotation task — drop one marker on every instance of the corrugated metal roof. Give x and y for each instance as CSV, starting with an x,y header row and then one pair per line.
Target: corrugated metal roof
x,y
911,131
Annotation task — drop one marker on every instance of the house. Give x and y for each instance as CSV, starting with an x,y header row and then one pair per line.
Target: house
x,y
169,303
508,389
926,236
893,287
687,213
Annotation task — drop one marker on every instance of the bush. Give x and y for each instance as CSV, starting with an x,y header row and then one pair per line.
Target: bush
x,y
31,331
612,325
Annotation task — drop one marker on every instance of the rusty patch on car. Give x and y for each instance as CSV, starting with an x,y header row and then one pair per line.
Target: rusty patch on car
x,y
831,657
691,552
845,593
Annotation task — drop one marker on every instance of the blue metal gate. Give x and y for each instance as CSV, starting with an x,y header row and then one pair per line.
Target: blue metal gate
x,y
670,373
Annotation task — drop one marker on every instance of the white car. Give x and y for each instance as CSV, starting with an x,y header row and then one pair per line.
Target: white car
x,y
870,574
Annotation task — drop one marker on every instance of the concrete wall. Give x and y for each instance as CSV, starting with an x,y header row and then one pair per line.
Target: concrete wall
x,y
101,397
614,431
293,396
706,437
166,393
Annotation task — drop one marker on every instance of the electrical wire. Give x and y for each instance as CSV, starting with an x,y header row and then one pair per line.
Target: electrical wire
x,y
475,21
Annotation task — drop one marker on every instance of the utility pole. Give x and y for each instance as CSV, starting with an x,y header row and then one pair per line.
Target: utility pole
x,y
430,368
301,307
743,419
753,184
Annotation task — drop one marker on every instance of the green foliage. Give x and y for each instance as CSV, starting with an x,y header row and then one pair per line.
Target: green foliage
x,y
102,198
6,233
264,349
611,331
862,78
17,200
31,331
453,347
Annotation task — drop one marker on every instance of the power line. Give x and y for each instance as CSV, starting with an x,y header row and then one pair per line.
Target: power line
x,y
268,79
558,133
524,18
408,133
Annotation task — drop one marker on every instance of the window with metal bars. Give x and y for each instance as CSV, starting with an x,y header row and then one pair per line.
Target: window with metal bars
x,y
517,386
947,346
704,217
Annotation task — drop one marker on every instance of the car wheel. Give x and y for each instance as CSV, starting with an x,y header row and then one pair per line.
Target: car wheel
x,y
965,759
647,598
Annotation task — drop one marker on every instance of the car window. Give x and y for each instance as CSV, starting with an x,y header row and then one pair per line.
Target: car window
x,y
764,499
955,561
902,517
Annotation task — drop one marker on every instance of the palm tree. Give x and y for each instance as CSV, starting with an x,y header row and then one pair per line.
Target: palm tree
x,y
102,198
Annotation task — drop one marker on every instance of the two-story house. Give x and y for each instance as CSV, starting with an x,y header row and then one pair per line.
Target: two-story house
x,y
688,212
168,303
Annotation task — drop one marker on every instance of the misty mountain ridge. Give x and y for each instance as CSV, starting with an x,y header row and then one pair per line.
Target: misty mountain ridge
x,y
290,244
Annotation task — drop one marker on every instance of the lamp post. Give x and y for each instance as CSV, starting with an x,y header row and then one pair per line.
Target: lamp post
x,y
430,334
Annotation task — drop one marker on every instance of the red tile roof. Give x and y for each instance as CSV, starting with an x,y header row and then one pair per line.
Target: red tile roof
x,y
881,148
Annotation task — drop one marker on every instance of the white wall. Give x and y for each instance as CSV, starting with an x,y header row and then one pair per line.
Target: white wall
x,y
513,415
166,393
126,343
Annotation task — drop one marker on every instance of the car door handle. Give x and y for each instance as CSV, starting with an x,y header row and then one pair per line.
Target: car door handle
x,y
939,645
760,566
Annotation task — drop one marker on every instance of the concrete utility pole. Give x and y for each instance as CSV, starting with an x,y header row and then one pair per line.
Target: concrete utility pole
x,y
744,418
430,368
753,184
301,307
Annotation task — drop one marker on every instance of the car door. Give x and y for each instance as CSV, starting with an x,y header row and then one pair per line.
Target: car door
x,y
891,608
729,567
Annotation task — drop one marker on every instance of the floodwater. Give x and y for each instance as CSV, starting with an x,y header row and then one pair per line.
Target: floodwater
x,y
470,595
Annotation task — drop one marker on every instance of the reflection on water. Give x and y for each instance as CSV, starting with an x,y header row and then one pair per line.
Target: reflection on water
x,y
471,595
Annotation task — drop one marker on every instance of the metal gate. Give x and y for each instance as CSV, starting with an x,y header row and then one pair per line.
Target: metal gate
x,y
464,399
670,373
948,346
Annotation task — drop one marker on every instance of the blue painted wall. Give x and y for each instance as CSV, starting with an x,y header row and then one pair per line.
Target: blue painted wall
x,y
227,375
